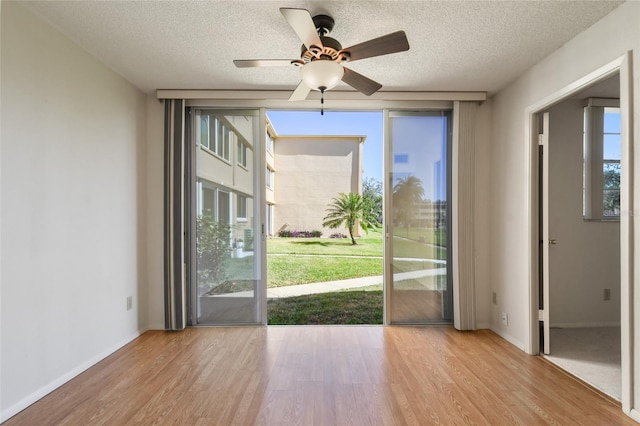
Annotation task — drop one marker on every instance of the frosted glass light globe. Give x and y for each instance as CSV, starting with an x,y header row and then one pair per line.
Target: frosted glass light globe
x,y
322,73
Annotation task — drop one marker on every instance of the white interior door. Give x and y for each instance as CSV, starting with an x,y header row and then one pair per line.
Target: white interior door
x,y
545,241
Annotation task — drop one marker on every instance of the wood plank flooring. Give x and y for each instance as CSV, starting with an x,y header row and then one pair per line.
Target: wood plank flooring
x,y
322,375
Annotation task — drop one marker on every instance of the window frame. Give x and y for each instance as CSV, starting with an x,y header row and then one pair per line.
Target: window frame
x,y
594,161
269,178
241,154
241,208
270,142
222,142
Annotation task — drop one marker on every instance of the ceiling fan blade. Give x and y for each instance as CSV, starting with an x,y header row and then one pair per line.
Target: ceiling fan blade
x,y
360,82
250,63
302,23
390,43
301,92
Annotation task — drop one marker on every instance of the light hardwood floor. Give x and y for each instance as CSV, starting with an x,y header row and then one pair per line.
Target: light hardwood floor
x,y
322,375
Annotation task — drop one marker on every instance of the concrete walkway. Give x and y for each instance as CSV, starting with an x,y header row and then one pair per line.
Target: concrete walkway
x,y
331,286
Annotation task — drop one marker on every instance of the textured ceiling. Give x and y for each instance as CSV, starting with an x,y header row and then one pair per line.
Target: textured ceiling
x,y
455,45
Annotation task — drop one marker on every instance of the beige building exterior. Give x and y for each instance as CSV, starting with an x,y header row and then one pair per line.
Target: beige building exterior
x,y
303,175
307,173
224,173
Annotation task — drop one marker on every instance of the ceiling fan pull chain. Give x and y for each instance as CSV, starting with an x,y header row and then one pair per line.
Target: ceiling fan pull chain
x,y
322,89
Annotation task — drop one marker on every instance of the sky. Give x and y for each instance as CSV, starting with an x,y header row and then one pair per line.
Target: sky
x,y
414,138
612,148
343,123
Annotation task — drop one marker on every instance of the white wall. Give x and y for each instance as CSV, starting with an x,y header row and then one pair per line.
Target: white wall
x,y
73,182
605,41
586,259
155,215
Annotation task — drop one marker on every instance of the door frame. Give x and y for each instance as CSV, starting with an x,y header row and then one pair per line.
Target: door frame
x,y
381,101
543,209
621,65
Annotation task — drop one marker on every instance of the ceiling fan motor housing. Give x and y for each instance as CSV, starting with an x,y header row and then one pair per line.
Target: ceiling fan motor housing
x,y
324,24
331,49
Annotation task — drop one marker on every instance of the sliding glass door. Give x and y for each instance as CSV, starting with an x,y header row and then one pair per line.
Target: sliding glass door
x,y
418,221
227,272
226,284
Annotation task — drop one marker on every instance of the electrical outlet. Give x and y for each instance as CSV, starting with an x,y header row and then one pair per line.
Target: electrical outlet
x,y
494,298
129,303
505,319
607,294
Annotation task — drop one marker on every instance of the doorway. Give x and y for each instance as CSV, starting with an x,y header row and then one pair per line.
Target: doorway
x,y
580,148
323,269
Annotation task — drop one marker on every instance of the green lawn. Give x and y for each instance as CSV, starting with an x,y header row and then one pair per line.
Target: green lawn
x,y
436,237
367,245
293,270
293,261
403,247
345,307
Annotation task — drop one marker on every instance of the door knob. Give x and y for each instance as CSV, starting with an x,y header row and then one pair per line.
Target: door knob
x,y
554,242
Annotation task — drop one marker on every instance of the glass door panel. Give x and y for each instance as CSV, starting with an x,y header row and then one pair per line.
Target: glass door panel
x,y
227,278
418,219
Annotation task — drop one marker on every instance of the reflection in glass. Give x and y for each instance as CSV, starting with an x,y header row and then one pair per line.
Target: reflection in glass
x,y
226,275
420,290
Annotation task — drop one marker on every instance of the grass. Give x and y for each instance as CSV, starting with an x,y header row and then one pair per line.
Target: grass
x,y
293,261
293,270
436,237
345,307
368,245
410,248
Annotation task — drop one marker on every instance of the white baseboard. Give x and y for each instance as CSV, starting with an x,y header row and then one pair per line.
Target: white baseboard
x,y
515,342
53,385
634,414
483,326
585,324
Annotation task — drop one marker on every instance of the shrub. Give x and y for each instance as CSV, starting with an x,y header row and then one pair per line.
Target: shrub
x,y
337,235
299,234
212,250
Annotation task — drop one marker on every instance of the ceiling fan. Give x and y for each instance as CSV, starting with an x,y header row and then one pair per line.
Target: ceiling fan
x,y
322,56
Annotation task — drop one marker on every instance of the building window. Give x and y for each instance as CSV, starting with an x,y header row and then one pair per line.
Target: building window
x,y
214,202
208,203
204,131
612,152
269,142
269,178
215,136
242,154
223,140
241,207
602,153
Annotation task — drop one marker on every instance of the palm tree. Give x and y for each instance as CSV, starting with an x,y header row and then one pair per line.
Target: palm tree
x,y
407,194
347,209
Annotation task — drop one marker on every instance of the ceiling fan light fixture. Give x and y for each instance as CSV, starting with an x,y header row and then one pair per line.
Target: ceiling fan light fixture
x,y
322,73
